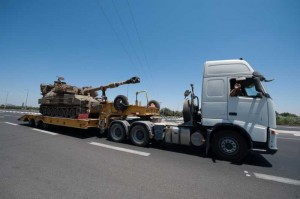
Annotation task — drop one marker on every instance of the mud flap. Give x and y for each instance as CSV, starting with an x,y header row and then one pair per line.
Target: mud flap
x,y
208,133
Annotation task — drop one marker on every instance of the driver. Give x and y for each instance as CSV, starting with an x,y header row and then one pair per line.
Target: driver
x,y
237,90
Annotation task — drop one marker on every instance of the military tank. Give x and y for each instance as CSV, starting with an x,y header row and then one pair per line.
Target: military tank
x,y
63,100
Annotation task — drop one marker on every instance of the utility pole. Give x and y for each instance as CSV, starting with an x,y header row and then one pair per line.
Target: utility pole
x,y
26,99
6,100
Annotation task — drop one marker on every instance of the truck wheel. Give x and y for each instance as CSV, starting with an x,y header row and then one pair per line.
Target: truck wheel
x,y
186,112
121,103
39,124
31,123
154,103
139,135
46,126
229,145
117,132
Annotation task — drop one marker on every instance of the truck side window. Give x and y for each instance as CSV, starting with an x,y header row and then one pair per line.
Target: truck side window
x,y
250,88
245,88
236,88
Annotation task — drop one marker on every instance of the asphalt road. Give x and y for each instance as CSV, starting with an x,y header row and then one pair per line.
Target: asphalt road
x,y
68,163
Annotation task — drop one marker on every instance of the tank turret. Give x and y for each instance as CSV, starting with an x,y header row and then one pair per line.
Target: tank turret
x,y
91,90
63,100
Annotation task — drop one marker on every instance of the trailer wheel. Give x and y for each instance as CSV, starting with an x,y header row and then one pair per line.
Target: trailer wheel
x,y
186,112
31,123
154,103
117,132
121,103
46,126
39,124
229,145
139,135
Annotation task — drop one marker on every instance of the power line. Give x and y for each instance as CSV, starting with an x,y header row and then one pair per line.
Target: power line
x,y
140,41
115,32
127,34
137,32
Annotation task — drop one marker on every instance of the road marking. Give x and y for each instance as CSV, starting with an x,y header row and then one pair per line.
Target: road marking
x,y
43,131
18,112
120,149
296,135
287,138
247,173
11,123
288,132
277,179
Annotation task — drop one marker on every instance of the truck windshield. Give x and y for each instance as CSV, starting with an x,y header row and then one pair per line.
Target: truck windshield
x,y
266,94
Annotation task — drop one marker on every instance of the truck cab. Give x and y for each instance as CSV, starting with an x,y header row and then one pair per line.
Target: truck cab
x,y
249,115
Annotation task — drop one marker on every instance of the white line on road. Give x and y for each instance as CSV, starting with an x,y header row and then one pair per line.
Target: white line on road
x,y
247,173
48,132
11,123
296,135
120,149
287,138
288,132
277,179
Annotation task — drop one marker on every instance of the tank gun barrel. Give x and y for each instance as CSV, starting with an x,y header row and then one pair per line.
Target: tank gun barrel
x,y
133,80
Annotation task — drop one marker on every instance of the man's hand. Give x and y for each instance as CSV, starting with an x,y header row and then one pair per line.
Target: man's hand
x,y
237,87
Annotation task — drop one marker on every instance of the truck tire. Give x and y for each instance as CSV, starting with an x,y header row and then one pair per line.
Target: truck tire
x,y
186,111
121,103
31,123
39,124
155,103
139,135
46,126
230,146
117,132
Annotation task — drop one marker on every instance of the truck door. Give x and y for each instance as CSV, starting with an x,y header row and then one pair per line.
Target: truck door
x,y
248,109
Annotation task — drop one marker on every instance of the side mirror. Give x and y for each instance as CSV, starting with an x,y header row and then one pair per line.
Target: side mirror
x,y
259,95
258,85
186,93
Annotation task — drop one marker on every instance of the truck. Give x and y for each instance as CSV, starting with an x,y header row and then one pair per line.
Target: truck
x,y
228,125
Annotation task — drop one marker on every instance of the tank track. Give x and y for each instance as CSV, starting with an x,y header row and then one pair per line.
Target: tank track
x,y
66,112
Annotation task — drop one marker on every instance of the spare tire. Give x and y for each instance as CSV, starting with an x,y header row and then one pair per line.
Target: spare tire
x,y
153,103
186,112
121,103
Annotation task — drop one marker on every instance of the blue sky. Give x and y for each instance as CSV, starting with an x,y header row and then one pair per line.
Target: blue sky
x,y
92,43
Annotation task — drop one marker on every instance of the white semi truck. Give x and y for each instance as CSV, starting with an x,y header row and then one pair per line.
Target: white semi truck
x,y
230,126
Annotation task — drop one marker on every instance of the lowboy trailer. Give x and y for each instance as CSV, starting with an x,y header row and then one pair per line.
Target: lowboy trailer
x,y
230,125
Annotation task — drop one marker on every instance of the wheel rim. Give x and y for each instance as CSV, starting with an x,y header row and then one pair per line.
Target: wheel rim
x,y
138,136
116,132
229,145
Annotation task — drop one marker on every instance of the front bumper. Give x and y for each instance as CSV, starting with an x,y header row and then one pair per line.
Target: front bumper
x,y
269,147
272,141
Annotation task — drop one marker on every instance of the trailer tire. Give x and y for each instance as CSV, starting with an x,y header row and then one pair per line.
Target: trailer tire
x,y
121,103
139,135
155,103
31,123
230,146
46,126
39,124
186,112
117,132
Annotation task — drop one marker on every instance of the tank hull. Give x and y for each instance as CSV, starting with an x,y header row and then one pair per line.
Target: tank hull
x,y
68,105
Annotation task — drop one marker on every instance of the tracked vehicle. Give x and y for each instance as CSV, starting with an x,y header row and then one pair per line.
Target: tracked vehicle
x,y
63,100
